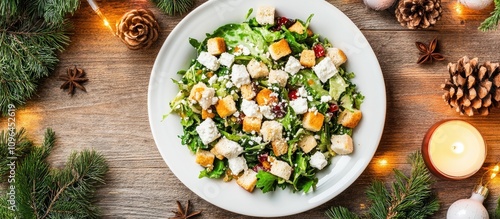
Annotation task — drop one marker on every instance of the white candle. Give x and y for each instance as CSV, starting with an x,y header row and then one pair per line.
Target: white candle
x,y
454,149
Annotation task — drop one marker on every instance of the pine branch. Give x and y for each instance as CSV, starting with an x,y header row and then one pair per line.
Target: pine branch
x,y
22,147
173,7
340,213
410,196
42,192
31,35
491,23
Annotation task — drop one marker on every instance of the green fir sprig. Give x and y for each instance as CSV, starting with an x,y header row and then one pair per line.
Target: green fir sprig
x,y
410,196
42,192
173,7
491,23
31,35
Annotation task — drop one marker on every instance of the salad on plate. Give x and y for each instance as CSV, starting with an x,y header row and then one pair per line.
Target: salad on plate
x,y
267,103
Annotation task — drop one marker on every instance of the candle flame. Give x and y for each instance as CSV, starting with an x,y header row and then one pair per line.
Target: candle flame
x,y
493,175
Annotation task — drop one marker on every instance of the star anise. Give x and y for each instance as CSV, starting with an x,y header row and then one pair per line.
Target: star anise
x,y
73,79
427,53
184,213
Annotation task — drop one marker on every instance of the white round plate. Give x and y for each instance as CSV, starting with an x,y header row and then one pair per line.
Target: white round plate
x,y
176,54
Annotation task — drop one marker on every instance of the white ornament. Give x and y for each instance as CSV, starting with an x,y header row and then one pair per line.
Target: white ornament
x,y
470,208
379,4
476,4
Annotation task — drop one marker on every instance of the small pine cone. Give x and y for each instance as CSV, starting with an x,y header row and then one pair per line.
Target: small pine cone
x,y
472,88
138,29
416,14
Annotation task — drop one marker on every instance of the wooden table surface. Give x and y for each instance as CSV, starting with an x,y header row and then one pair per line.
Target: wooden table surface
x,y
112,116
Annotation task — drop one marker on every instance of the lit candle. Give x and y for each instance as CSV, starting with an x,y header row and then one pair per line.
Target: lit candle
x,y
453,149
96,9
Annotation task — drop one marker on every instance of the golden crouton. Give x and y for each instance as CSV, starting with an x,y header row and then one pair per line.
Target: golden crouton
x,y
349,118
281,169
307,58
247,180
313,121
247,91
271,130
265,15
205,158
226,106
265,97
297,28
337,56
216,45
279,49
257,69
206,114
251,124
279,77
280,147
307,143
342,144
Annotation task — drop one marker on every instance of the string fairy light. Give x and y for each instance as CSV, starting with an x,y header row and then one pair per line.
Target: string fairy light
x,y
491,173
97,10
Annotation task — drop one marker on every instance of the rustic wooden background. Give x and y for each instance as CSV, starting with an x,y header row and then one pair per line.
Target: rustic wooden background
x,y
112,116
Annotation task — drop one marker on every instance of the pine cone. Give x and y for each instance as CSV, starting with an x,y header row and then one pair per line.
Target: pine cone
x,y
138,29
417,14
472,87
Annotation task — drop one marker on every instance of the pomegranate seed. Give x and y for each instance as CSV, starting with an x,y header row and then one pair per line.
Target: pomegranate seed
x,y
333,108
293,94
319,50
262,157
279,110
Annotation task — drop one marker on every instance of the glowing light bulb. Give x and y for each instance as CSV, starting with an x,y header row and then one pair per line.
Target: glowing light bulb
x,y
458,8
382,162
493,175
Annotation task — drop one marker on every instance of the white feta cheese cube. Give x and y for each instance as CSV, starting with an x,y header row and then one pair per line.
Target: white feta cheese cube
x,y
209,61
279,77
302,92
206,99
325,69
266,112
239,75
226,59
213,79
237,164
250,108
265,15
241,50
293,65
207,131
325,99
281,169
299,105
342,144
318,160
227,148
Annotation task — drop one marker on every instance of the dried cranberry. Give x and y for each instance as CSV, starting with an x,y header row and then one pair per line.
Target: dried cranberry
x,y
333,108
279,110
258,168
293,94
319,50
262,157
280,21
